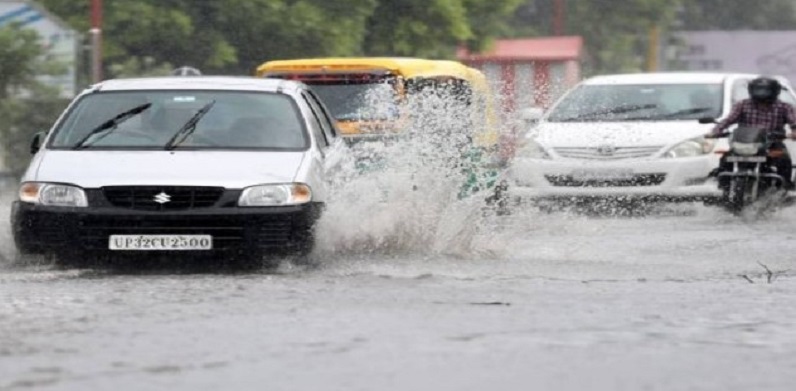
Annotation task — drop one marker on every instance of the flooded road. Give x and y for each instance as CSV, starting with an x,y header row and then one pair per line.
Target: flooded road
x,y
539,301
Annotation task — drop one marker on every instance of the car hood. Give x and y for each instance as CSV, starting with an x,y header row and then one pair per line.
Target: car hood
x,y
238,169
616,134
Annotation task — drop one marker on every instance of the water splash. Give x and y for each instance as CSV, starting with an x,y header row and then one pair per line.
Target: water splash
x,y
407,198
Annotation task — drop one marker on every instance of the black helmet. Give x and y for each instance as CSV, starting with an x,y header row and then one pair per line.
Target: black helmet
x,y
764,90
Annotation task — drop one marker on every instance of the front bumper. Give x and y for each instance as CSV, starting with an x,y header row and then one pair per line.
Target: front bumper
x,y
650,179
47,229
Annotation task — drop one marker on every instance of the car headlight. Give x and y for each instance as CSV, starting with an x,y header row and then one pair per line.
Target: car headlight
x,y
52,194
691,148
276,195
530,149
746,149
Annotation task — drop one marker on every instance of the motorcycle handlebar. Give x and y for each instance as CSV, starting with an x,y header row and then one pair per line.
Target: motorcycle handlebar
x,y
720,135
771,137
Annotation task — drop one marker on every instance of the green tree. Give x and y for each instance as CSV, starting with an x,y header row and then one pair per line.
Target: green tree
x,y
425,28
19,50
234,36
26,106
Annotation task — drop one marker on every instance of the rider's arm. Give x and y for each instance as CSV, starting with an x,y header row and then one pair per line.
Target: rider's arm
x,y
733,118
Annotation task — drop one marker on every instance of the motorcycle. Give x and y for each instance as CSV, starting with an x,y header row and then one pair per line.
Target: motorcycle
x,y
747,173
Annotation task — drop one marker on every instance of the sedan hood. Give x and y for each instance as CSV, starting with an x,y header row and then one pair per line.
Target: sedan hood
x,y
93,169
617,134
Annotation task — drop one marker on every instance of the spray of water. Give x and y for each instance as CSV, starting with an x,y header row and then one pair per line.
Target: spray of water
x,y
407,195
7,249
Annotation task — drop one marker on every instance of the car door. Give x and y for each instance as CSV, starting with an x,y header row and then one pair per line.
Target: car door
x,y
335,150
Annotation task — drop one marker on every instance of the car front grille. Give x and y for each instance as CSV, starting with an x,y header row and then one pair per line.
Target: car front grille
x,y
640,180
158,198
601,153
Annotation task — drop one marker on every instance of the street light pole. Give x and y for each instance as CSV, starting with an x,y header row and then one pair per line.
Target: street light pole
x,y
96,41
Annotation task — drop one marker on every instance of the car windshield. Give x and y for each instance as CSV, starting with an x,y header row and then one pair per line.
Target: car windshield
x,y
359,101
235,120
639,102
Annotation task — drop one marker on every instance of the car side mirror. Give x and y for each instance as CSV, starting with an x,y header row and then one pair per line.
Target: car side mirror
x,y
35,143
531,115
707,120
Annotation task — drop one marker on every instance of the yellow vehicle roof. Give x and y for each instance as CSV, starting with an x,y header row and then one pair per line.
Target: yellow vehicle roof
x,y
407,67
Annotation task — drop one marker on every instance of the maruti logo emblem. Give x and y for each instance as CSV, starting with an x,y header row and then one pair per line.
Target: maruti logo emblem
x,y
162,198
606,150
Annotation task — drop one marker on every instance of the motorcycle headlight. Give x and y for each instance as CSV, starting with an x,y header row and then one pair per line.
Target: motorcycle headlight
x,y
275,195
691,148
746,149
52,194
532,150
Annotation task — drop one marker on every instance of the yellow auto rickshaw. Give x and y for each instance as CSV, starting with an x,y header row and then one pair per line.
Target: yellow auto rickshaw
x,y
368,96
372,97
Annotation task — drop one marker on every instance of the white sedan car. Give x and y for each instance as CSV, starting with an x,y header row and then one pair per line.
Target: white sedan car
x,y
632,136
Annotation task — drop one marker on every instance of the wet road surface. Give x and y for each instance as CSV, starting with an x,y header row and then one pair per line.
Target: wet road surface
x,y
565,302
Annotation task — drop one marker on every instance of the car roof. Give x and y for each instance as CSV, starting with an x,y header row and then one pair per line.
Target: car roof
x,y
666,78
198,83
407,67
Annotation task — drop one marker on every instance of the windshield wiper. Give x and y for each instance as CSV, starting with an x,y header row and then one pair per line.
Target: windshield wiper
x,y
110,125
615,110
186,130
693,110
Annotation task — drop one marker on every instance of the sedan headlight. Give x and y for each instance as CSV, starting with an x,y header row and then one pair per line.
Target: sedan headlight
x,y
52,194
530,149
746,149
276,195
691,148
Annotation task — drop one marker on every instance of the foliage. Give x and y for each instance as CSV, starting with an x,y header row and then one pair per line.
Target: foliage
x,y
18,53
26,106
234,36
22,118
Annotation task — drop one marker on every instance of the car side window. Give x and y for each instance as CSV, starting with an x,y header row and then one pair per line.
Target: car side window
x,y
323,116
316,124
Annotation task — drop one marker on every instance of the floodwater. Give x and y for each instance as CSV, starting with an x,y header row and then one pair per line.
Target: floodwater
x,y
667,301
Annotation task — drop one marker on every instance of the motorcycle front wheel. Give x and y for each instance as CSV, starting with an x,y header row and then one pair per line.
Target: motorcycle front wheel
x,y
735,195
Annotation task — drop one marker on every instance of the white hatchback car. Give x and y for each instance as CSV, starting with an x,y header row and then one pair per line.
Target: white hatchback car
x,y
633,136
206,165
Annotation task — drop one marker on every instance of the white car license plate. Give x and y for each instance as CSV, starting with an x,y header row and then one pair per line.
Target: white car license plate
x,y
160,242
746,159
596,175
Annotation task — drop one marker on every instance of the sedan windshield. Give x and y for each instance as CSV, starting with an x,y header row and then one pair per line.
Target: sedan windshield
x,y
359,101
642,102
238,120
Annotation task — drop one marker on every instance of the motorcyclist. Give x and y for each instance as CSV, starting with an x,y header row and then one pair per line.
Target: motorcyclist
x,y
764,110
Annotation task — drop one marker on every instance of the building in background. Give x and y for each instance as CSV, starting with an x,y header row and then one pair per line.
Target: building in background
x,y
60,42
530,72
765,52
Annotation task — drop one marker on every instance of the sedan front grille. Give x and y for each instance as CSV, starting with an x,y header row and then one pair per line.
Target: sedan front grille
x,y
602,153
633,181
157,198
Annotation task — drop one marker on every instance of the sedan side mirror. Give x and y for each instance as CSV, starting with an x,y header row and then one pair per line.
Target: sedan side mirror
x,y
707,120
35,143
531,115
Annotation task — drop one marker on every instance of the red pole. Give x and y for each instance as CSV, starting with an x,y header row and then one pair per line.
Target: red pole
x,y
96,41
559,16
